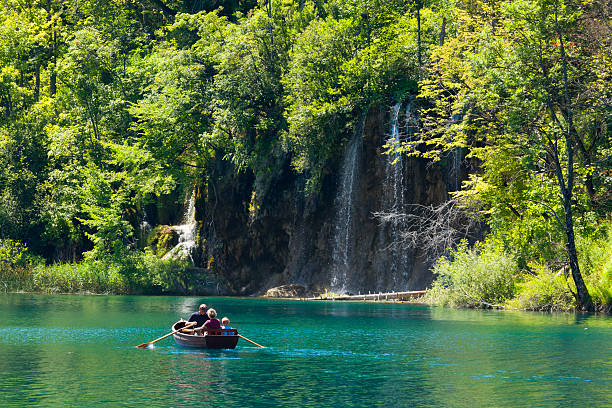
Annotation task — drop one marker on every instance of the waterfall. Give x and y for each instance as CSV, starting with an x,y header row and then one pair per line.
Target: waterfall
x,y
394,177
393,201
144,229
187,234
455,159
412,120
344,229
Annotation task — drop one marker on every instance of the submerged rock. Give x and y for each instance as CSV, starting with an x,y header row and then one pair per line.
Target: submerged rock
x,y
286,291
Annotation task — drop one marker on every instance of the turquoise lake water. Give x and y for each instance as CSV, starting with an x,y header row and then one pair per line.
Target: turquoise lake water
x,y
79,351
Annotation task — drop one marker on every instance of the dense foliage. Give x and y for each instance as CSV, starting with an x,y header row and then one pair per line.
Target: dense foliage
x,y
109,106
525,86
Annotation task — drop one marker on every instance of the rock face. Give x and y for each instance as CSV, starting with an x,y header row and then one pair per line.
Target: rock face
x,y
262,232
162,239
286,291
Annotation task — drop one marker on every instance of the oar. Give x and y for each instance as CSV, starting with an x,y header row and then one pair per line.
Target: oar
x,y
169,334
258,345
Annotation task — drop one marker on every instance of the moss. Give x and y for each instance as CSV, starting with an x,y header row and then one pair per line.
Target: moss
x,y
162,239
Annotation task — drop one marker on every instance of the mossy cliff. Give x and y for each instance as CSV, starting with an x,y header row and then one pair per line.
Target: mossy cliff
x,y
263,231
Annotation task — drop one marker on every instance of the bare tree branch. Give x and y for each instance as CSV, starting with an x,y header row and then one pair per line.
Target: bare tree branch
x,y
432,229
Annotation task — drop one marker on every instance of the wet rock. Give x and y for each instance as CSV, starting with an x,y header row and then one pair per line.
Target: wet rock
x,y
286,291
163,239
258,229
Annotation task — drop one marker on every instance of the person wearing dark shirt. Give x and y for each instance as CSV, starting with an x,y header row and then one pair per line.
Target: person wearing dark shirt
x,y
212,322
200,317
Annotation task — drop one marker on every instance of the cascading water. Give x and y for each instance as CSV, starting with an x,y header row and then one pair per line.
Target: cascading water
x,y
455,158
394,177
412,120
344,232
187,234
144,229
394,202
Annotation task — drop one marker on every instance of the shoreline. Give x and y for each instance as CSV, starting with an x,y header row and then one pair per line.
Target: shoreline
x,y
380,296
370,298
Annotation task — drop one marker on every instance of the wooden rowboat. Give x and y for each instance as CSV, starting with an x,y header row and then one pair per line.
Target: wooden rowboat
x,y
215,339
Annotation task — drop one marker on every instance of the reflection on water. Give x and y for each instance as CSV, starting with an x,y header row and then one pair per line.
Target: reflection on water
x,y
61,351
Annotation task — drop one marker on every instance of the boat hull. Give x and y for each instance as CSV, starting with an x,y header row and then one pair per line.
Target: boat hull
x,y
215,339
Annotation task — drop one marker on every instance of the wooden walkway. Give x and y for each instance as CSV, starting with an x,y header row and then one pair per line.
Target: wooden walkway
x,y
374,296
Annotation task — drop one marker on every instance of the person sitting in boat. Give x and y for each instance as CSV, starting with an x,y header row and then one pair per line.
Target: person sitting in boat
x,y
212,322
200,317
225,324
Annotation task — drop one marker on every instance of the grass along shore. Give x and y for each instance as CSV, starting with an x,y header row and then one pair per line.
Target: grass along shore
x,y
484,275
137,273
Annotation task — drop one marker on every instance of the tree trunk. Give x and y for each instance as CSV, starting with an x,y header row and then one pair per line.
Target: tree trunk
x,y
53,83
585,155
419,36
582,292
52,65
53,79
37,83
442,32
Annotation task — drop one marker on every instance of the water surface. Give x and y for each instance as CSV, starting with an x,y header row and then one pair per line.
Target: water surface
x,y
58,351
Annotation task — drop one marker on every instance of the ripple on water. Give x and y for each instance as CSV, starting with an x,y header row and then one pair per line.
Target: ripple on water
x,y
81,352
66,335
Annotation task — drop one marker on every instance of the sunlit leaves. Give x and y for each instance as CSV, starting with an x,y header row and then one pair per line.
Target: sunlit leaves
x,y
498,88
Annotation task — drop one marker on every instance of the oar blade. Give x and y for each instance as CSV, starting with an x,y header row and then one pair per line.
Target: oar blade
x,y
143,345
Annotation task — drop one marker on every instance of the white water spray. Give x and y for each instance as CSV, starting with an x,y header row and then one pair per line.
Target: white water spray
x,y
394,202
344,231
187,234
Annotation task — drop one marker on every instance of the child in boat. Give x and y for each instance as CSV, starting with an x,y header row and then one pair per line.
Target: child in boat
x,y
225,325
212,322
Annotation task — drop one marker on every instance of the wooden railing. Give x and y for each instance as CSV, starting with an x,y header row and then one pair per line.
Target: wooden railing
x,y
374,296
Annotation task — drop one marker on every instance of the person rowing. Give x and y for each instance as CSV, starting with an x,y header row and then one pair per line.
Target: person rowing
x,y
200,317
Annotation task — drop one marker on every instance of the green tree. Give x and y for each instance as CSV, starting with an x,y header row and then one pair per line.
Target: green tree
x,y
507,90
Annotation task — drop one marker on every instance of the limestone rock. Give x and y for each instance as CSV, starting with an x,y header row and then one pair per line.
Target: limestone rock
x,y
163,239
286,291
260,229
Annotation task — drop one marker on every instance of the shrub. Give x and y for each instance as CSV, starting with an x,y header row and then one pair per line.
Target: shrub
x,y
134,272
595,258
543,291
481,276
178,276
16,264
12,252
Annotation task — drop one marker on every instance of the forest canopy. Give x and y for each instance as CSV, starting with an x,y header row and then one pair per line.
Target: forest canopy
x,y
108,105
